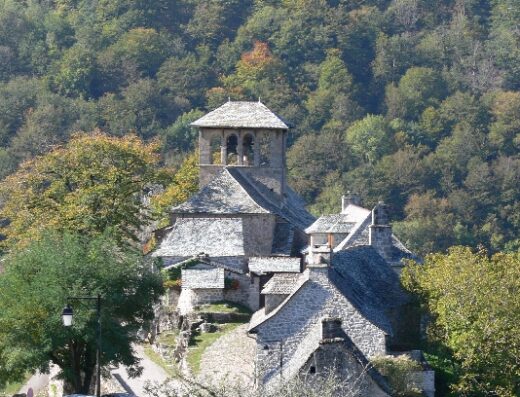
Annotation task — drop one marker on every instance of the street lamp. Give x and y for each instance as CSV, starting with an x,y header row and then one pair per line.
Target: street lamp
x,y
67,315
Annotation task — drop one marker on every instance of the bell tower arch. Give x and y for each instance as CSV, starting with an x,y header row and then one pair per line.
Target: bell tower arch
x,y
245,135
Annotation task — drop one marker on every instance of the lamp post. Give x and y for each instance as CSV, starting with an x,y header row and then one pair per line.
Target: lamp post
x,y
67,316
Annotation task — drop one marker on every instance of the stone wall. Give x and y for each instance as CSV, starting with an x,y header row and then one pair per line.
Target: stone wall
x,y
258,234
332,358
247,293
267,166
295,331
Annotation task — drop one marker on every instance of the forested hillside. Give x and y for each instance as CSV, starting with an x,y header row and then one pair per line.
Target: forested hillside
x,y
415,102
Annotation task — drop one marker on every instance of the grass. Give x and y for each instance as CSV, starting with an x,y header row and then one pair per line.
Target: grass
x,y
224,307
168,338
157,359
201,341
13,387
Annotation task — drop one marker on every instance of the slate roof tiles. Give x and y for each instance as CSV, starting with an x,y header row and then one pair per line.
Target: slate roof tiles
x,y
242,115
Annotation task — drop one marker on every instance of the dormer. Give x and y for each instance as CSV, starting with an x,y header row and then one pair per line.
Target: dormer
x,y
246,135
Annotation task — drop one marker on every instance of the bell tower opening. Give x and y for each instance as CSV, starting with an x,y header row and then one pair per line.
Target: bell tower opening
x,y
231,149
248,150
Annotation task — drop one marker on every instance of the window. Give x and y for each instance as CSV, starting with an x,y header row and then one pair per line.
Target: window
x,y
312,370
231,145
248,150
215,150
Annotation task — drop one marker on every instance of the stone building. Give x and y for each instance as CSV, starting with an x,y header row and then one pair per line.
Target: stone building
x,y
245,220
322,289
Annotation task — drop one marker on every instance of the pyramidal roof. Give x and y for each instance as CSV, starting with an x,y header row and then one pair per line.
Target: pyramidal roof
x,y
242,115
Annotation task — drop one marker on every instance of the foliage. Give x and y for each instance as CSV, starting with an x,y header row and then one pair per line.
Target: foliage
x,y
328,385
398,370
224,307
474,306
185,183
35,287
87,186
440,78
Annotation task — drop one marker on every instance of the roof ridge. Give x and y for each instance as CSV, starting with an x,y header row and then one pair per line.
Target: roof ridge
x,y
244,189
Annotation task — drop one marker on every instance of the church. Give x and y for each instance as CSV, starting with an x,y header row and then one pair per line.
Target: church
x,y
323,290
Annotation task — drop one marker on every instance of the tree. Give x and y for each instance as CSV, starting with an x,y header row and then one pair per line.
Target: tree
x,y
184,184
429,224
181,136
475,311
86,186
311,158
334,86
417,89
34,288
369,138
505,129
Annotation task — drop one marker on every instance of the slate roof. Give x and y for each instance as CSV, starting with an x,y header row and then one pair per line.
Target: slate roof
x,y
283,239
203,278
232,192
365,279
282,283
260,265
335,223
216,237
242,115
222,195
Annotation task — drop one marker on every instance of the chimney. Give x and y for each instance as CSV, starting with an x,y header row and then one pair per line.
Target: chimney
x,y
331,328
380,232
349,198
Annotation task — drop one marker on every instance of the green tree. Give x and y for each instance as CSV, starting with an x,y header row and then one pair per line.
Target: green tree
x,y
417,89
34,288
335,90
475,311
369,139
76,72
505,130
181,136
90,184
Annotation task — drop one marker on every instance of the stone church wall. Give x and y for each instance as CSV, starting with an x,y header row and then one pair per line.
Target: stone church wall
x,y
258,234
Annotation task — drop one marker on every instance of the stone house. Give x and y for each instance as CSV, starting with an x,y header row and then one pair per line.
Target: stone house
x,y
322,289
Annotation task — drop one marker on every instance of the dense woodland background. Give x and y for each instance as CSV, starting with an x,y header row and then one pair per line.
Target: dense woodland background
x,y
415,102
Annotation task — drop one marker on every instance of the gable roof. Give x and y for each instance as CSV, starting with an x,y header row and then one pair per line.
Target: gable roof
x,y
274,264
224,194
364,278
334,223
203,278
282,283
232,192
359,234
242,115
217,237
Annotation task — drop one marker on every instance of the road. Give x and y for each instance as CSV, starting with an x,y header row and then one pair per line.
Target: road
x,y
37,382
151,373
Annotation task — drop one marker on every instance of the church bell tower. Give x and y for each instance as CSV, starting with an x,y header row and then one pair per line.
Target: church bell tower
x,y
244,135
